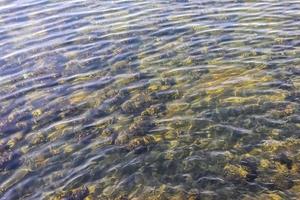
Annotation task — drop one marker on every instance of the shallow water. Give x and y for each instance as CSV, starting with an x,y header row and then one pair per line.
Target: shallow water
x,y
178,99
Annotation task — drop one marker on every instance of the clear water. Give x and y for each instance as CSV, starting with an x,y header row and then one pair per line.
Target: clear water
x,y
152,99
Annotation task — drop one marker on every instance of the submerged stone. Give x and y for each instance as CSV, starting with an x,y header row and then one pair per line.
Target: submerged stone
x,y
76,194
236,172
283,159
9,160
154,110
140,126
140,145
137,103
166,95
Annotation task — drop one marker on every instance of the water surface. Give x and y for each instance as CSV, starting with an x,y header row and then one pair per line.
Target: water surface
x,y
149,99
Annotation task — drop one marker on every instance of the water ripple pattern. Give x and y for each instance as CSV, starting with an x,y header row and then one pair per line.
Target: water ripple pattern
x,y
149,99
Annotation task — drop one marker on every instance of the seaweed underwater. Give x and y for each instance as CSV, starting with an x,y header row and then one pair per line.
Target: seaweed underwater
x,y
130,99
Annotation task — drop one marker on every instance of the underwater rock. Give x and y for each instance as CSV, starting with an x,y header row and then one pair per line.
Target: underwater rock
x,y
204,181
210,195
167,95
9,160
161,85
135,78
84,137
283,159
137,103
235,172
268,196
154,110
277,182
141,149
141,145
293,96
3,147
294,70
77,194
113,138
177,107
251,165
294,119
122,138
120,66
140,126
51,62
117,99
98,112
107,132
122,197
168,81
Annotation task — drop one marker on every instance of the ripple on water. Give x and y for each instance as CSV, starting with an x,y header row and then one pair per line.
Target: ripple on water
x,y
149,100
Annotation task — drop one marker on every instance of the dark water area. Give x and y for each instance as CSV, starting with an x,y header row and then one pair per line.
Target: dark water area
x,y
149,99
